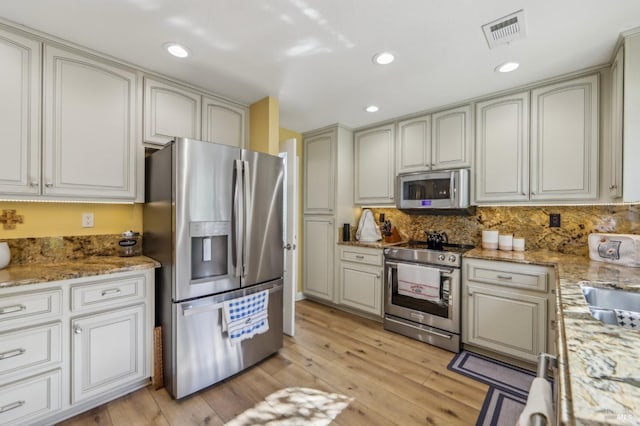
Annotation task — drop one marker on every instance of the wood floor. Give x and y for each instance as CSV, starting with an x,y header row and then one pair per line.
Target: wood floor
x,y
393,380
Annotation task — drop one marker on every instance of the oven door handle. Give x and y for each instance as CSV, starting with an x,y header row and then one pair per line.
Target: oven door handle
x,y
443,272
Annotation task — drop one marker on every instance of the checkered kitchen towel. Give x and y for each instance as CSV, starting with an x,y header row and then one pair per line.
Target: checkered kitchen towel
x,y
628,319
246,316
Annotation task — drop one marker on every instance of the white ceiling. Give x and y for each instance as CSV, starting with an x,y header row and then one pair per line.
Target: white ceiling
x,y
315,55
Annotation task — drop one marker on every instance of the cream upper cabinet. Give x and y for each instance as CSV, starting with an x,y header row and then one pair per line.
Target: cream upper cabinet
x,y
319,172
89,127
564,140
502,151
20,114
375,165
451,138
223,122
413,145
617,114
170,111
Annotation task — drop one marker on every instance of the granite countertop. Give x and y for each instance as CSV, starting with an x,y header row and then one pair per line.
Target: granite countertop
x,y
41,272
598,364
374,244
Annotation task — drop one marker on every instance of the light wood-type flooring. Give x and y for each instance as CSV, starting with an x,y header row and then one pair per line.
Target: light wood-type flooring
x,y
393,380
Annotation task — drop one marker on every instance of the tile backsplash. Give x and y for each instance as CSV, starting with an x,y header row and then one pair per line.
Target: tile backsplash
x,y
530,222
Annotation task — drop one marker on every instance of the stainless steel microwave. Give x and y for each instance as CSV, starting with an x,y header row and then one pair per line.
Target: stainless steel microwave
x,y
442,189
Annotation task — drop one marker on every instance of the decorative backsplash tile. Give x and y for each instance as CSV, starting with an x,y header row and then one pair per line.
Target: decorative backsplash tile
x,y
59,249
531,223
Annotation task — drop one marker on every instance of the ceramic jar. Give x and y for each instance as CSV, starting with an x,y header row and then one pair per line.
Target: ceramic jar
x,y
5,255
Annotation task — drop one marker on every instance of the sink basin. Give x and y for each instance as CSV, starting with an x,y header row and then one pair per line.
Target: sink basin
x,y
602,302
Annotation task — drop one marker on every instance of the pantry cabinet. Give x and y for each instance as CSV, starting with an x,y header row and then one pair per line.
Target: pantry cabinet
x,y
170,111
502,150
318,252
223,122
88,127
508,308
20,114
68,346
451,138
361,279
564,140
375,165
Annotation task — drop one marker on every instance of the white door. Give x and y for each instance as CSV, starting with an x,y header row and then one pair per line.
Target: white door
x,y
288,149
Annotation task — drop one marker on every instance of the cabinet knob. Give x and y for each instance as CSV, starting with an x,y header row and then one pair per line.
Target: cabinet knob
x,y
505,277
48,185
612,187
361,257
77,329
34,184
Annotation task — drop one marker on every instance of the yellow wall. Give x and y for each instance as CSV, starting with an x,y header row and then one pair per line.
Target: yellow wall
x,y
264,121
64,219
286,134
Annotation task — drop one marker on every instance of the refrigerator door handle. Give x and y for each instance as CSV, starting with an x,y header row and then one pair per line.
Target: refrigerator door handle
x,y
246,197
238,219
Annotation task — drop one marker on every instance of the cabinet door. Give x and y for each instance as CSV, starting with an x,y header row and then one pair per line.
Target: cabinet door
x,y
451,139
564,140
361,287
318,242
502,151
19,114
319,173
506,321
169,111
107,351
617,111
413,147
223,122
89,127
374,165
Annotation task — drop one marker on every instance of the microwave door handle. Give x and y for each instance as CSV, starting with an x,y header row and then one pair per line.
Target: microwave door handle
x,y
236,246
452,192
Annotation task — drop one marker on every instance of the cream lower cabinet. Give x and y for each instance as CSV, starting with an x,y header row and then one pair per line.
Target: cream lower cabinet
x,y
318,252
508,308
360,281
68,346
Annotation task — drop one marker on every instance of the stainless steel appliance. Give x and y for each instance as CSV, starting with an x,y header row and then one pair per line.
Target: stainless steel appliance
x,y
446,190
436,322
213,218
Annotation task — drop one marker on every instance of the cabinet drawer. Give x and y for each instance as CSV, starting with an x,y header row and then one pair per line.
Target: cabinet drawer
x,y
25,401
20,308
107,292
30,347
526,277
370,258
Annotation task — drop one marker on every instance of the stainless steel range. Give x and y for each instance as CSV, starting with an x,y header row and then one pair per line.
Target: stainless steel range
x,y
422,292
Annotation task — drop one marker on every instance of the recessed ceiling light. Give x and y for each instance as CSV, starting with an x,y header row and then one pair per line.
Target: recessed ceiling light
x,y
371,108
383,58
177,50
507,67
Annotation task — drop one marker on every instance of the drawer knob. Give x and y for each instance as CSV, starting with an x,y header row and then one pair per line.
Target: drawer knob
x,y
11,406
12,353
361,257
12,309
77,329
505,277
110,291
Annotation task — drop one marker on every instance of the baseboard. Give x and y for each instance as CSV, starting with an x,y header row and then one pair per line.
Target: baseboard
x,y
300,296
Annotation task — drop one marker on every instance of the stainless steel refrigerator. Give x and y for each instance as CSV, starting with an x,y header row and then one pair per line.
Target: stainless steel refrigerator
x,y
213,218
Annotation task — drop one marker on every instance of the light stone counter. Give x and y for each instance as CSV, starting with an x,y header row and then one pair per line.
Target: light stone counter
x,y
40,272
376,244
598,364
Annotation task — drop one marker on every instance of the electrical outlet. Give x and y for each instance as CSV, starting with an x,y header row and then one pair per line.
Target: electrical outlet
x,y
554,220
87,220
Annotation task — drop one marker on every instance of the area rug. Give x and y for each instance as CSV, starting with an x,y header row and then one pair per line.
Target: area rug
x,y
508,387
293,407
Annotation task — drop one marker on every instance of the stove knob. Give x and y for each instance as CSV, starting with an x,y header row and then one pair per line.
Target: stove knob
x,y
452,258
441,257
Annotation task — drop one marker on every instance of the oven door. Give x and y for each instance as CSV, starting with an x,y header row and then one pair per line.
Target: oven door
x,y
444,315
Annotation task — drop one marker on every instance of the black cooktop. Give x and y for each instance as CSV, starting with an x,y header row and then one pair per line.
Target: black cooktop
x,y
449,247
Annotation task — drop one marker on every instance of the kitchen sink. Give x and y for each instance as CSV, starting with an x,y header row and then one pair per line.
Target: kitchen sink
x,y
602,302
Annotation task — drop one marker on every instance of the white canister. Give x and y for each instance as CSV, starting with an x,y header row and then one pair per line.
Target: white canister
x,y
518,244
5,255
505,241
490,239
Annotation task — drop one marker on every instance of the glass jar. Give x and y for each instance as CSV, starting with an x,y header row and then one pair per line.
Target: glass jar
x,y
130,244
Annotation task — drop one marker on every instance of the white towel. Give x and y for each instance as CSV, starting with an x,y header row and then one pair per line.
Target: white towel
x,y
367,229
246,316
621,249
420,282
538,402
628,319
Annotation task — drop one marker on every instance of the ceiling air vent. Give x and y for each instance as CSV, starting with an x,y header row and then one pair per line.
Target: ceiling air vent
x,y
505,30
